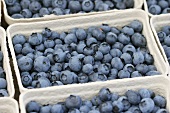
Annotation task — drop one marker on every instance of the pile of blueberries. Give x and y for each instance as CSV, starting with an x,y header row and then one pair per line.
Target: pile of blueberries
x,y
164,38
83,55
3,82
141,101
157,7
38,8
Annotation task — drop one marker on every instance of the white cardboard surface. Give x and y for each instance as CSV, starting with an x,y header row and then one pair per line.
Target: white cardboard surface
x,y
117,19
138,5
159,84
8,105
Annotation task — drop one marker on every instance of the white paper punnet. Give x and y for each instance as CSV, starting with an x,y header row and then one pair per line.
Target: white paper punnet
x,y
138,5
8,105
117,19
157,22
159,84
6,64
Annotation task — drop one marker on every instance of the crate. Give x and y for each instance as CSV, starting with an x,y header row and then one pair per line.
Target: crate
x,y
157,22
117,19
159,84
138,5
8,105
6,64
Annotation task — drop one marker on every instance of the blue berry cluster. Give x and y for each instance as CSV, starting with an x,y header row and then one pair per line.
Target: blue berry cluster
x,y
38,8
83,55
3,82
157,7
164,38
141,101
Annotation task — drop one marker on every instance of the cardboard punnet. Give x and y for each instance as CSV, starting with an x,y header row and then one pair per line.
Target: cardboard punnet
x,y
6,64
138,5
159,84
117,19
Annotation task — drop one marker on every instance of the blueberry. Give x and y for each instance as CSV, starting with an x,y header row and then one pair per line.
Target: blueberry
x,y
2,73
109,3
126,58
115,52
10,2
25,4
88,60
125,102
87,103
166,10
151,2
94,111
111,38
27,50
129,49
133,97
117,63
155,9
138,58
42,64
16,8
3,83
105,27
43,82
162,111
98,55
45,109
56,67
105,94
98,34
163,4
46,33
107,58
88,69
90,41
144,93
75,64
17,16
47,3
40,47
167,40
166,29
104,69
118,45
57,83
127,30
134,109
106,107
151,68
115,30
123,38
55,76
113,74
57,108
49,51
142,68
74,111
117,106
159,101
129,67
43,11
104,48
35,6
18,39
73,101
136,74
59,3
103,7
87,5
70,38
146,105
84,109
18,48
83,78
81,34
66,77
25,63
161,36
123,74
120,5
96,101
26,13
58,11
35,39
136,25
35,15
88,51
32,107
151,73
138,40
74,6
129,3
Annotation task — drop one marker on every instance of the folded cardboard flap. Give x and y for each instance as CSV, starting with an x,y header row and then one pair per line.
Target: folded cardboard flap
x,y
159,84
138,5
